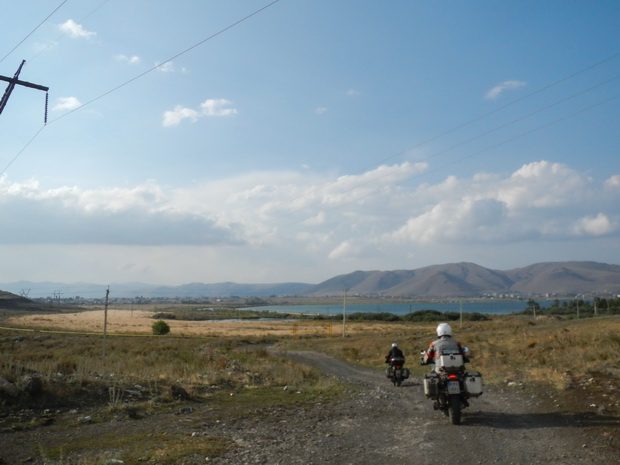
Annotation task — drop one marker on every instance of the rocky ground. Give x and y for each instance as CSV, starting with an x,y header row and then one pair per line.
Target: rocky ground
x,y
374,424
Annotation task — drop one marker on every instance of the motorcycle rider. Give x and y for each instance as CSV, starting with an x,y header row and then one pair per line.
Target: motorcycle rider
x,y
395,352
445,341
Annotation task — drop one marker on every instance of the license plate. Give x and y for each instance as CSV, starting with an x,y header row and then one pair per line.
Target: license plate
x,y
453,387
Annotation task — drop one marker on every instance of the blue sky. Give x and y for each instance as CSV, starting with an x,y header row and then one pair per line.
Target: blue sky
x,y
250,141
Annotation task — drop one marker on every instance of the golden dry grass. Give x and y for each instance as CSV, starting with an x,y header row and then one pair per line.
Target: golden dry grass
x,y
507,348
123,321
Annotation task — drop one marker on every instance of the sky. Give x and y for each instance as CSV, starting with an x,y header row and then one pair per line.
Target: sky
x,y
260,141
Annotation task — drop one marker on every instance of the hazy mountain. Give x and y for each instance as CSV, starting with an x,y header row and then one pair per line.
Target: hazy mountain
x,y
471,280
129,290
438,281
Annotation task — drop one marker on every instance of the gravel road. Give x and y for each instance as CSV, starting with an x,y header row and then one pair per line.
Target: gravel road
x,y
381,424
376,423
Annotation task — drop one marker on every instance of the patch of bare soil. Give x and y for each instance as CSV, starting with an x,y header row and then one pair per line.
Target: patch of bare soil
x,y
375,423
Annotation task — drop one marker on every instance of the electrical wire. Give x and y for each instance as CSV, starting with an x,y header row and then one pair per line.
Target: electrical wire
x,y
81,20
459,160
436,137
197,44
479,136
32,32
22,150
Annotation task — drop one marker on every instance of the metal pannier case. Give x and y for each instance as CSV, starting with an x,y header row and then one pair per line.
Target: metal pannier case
x,y
431,385
473,383
451,361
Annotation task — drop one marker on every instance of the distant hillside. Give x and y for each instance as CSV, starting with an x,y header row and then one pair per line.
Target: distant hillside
x,y
471,280
9,301
131,290
450,280
228,289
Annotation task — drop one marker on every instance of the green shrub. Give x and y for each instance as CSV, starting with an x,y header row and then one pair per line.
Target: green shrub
x,y
160,327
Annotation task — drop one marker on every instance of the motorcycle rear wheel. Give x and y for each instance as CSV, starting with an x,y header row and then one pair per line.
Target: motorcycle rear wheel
x,y
454,409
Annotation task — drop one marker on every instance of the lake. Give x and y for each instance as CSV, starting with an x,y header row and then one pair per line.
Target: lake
x,y
490,306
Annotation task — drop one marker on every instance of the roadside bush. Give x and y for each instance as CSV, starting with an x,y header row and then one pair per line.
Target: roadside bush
x,y
380,316
160,327
424,315
167,315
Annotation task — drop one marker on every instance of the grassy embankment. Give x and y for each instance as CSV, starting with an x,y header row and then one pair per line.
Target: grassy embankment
x,y
236,375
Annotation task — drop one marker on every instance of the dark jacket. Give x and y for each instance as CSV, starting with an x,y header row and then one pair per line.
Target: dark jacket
x,y
395,352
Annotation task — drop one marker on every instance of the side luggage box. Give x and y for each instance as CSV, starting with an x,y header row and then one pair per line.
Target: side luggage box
x,y
431,385
473,383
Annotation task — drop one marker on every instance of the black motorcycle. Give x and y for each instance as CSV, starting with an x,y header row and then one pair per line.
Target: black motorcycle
x,y
396,372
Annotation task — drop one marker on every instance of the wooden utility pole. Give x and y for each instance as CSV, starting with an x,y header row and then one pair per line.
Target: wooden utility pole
x,y
105,319
14,81
344,311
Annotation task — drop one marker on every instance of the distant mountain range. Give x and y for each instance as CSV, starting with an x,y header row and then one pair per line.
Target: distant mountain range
x,y
438,281
471,280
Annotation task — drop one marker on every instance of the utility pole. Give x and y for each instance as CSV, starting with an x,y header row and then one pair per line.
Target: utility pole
x,y
577,302
344,311
105,319
15,81
595,309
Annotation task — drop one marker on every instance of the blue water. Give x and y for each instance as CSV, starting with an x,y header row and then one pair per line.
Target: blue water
x,y
491,306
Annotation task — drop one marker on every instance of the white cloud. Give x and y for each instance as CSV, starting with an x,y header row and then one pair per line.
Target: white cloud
x,y
132,60
208,108
66,104
217,107
176,116
169,67
594,225
344,249
539,200
613,182
166,67
320,110
496,91
293,220
74,30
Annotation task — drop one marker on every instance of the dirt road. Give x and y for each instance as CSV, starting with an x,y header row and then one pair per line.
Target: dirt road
x,y
376,423
383,424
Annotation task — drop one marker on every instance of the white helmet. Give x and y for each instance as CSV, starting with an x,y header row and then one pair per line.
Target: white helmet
x,y
394,344
444,329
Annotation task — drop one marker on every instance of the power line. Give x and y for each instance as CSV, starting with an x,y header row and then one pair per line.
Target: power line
x,y
480,136
32,32
93,11
483,116
221,31
197,44
436,137
494,111
471,155
22,150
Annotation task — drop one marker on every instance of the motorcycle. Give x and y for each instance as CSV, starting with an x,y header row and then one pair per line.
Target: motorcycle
x,y
450,386
396,373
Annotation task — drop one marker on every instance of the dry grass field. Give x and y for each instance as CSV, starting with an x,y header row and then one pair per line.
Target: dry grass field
x,y
547,350
139,322
236,367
